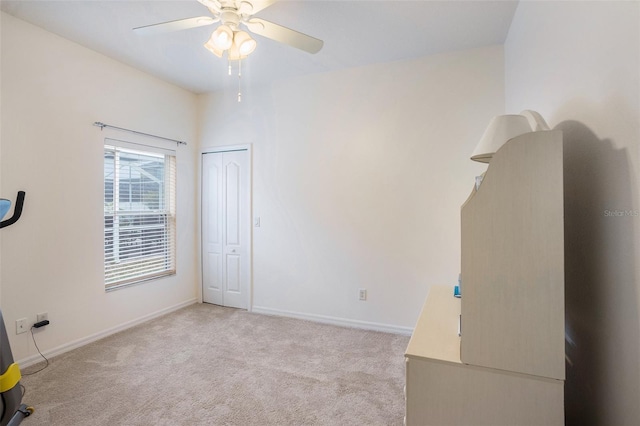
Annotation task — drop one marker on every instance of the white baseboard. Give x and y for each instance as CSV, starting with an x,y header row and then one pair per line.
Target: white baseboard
x,y
344,322
33,359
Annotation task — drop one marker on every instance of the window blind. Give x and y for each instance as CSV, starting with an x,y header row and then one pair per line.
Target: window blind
x,y
139,213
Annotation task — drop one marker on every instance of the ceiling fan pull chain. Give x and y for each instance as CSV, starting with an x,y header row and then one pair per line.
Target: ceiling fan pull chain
x,y
239,77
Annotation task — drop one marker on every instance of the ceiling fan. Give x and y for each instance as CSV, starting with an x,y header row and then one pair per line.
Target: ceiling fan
x,y
228,37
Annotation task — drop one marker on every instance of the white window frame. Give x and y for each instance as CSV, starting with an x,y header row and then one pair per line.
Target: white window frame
x,y
141,262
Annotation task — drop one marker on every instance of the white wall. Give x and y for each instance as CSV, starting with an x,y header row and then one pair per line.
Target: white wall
x,y
52,259
577,63
359,176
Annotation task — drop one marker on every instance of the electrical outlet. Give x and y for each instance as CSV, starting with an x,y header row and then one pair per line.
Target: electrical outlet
x,y
362,294
21,326
42,317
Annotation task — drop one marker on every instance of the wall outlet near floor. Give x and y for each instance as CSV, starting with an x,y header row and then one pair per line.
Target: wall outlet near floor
x,y
21,326
42,317
362,294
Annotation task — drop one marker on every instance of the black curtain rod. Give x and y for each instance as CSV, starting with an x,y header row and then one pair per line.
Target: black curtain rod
x,y
102,126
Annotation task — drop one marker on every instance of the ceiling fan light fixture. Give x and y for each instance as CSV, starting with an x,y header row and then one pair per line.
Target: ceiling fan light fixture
x,y
234,54
222,37
244,43
213,49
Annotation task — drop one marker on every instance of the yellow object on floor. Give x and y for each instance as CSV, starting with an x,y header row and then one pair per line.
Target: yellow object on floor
x,y
10,378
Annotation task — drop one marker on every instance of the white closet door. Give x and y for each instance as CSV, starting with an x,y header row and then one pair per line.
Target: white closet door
x,y
225,228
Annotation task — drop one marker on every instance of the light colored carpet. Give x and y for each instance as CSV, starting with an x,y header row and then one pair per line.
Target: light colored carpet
x,y
209,365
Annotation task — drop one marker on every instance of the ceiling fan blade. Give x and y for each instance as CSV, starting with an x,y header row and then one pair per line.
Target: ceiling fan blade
x,y
178,25
213,5
258,5
284,35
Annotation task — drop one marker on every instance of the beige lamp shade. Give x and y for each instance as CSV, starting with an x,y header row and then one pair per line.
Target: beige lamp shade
x,y
501,129
536,121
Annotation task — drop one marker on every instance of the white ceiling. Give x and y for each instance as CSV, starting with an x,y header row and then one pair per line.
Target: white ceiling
x,y
355,33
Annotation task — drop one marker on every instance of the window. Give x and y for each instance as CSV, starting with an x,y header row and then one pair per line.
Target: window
x,y
139,213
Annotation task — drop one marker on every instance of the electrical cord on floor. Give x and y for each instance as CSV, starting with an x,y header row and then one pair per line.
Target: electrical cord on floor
x,y
38,349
